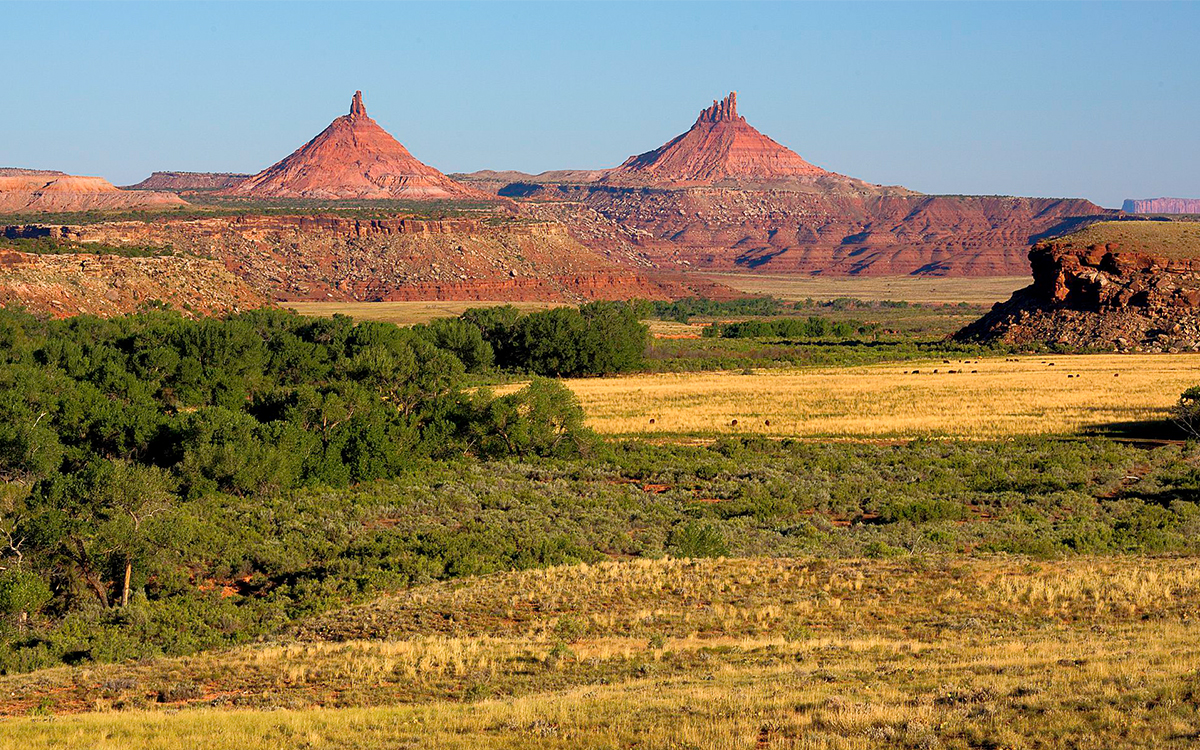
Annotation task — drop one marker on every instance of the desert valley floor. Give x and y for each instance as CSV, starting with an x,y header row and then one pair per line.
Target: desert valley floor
x,y
712,448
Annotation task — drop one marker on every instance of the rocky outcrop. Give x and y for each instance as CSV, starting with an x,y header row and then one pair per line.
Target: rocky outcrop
x,y
339,258
181,181
37,191
1162,206
78,283
353,158
1115,285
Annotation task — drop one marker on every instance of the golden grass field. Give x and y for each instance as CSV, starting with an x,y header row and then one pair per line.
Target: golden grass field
x,y
1172,239
735,654
791,287
925,289
986,398
405,313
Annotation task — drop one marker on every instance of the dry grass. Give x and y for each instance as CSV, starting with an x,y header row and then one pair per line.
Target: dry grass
x,y
928,289
960,653
405,313
1171,239
987,398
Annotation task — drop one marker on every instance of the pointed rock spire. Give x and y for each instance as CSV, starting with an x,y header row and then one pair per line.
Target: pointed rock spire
x,y
721,111
356,105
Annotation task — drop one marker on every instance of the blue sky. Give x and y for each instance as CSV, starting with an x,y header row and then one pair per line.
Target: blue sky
x,y
1083,99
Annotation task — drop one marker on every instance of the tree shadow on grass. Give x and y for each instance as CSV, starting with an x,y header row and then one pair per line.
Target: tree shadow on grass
x,y
1145,430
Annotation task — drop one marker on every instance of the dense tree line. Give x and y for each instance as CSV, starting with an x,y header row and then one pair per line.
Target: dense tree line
x,y
813,327
683,310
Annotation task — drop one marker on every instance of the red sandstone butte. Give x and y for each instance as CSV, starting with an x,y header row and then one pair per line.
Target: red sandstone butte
x,y
720,147
353,158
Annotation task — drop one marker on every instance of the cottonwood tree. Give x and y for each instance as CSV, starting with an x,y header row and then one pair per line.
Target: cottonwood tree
x,y
134,494
95,523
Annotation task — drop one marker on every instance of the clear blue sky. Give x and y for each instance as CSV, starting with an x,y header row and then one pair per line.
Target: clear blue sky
x,y
1094,100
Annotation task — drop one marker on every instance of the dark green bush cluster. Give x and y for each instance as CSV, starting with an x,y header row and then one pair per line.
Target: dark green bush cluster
x,y
854,303
596,339
683,310
48,246
813,327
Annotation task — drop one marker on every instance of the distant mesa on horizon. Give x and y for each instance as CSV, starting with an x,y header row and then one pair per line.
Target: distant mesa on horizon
x,y
353,158
1162,206
189,181
51,191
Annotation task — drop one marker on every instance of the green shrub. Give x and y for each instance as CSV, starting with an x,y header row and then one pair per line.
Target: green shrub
x,y
696,539
922,511
22,593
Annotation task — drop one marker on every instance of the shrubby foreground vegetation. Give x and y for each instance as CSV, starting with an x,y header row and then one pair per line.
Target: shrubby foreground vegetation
x,y
112,430
174,486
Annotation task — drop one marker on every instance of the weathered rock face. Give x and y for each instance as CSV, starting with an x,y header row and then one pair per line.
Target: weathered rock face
x,y
721,148
179,181
841,231
353,158
34,191
73,284
1115,285
337,258
1162,206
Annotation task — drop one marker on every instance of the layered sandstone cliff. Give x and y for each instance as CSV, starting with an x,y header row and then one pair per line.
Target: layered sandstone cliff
x,y
45,191
1162,206
338,258
838,233
1115,285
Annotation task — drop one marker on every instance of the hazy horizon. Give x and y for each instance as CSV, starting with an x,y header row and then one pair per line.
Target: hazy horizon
x,y
1091,100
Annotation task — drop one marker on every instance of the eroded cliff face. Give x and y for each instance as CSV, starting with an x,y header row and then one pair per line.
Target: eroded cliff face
x,y
1093,292
336,258
831,231
74,284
